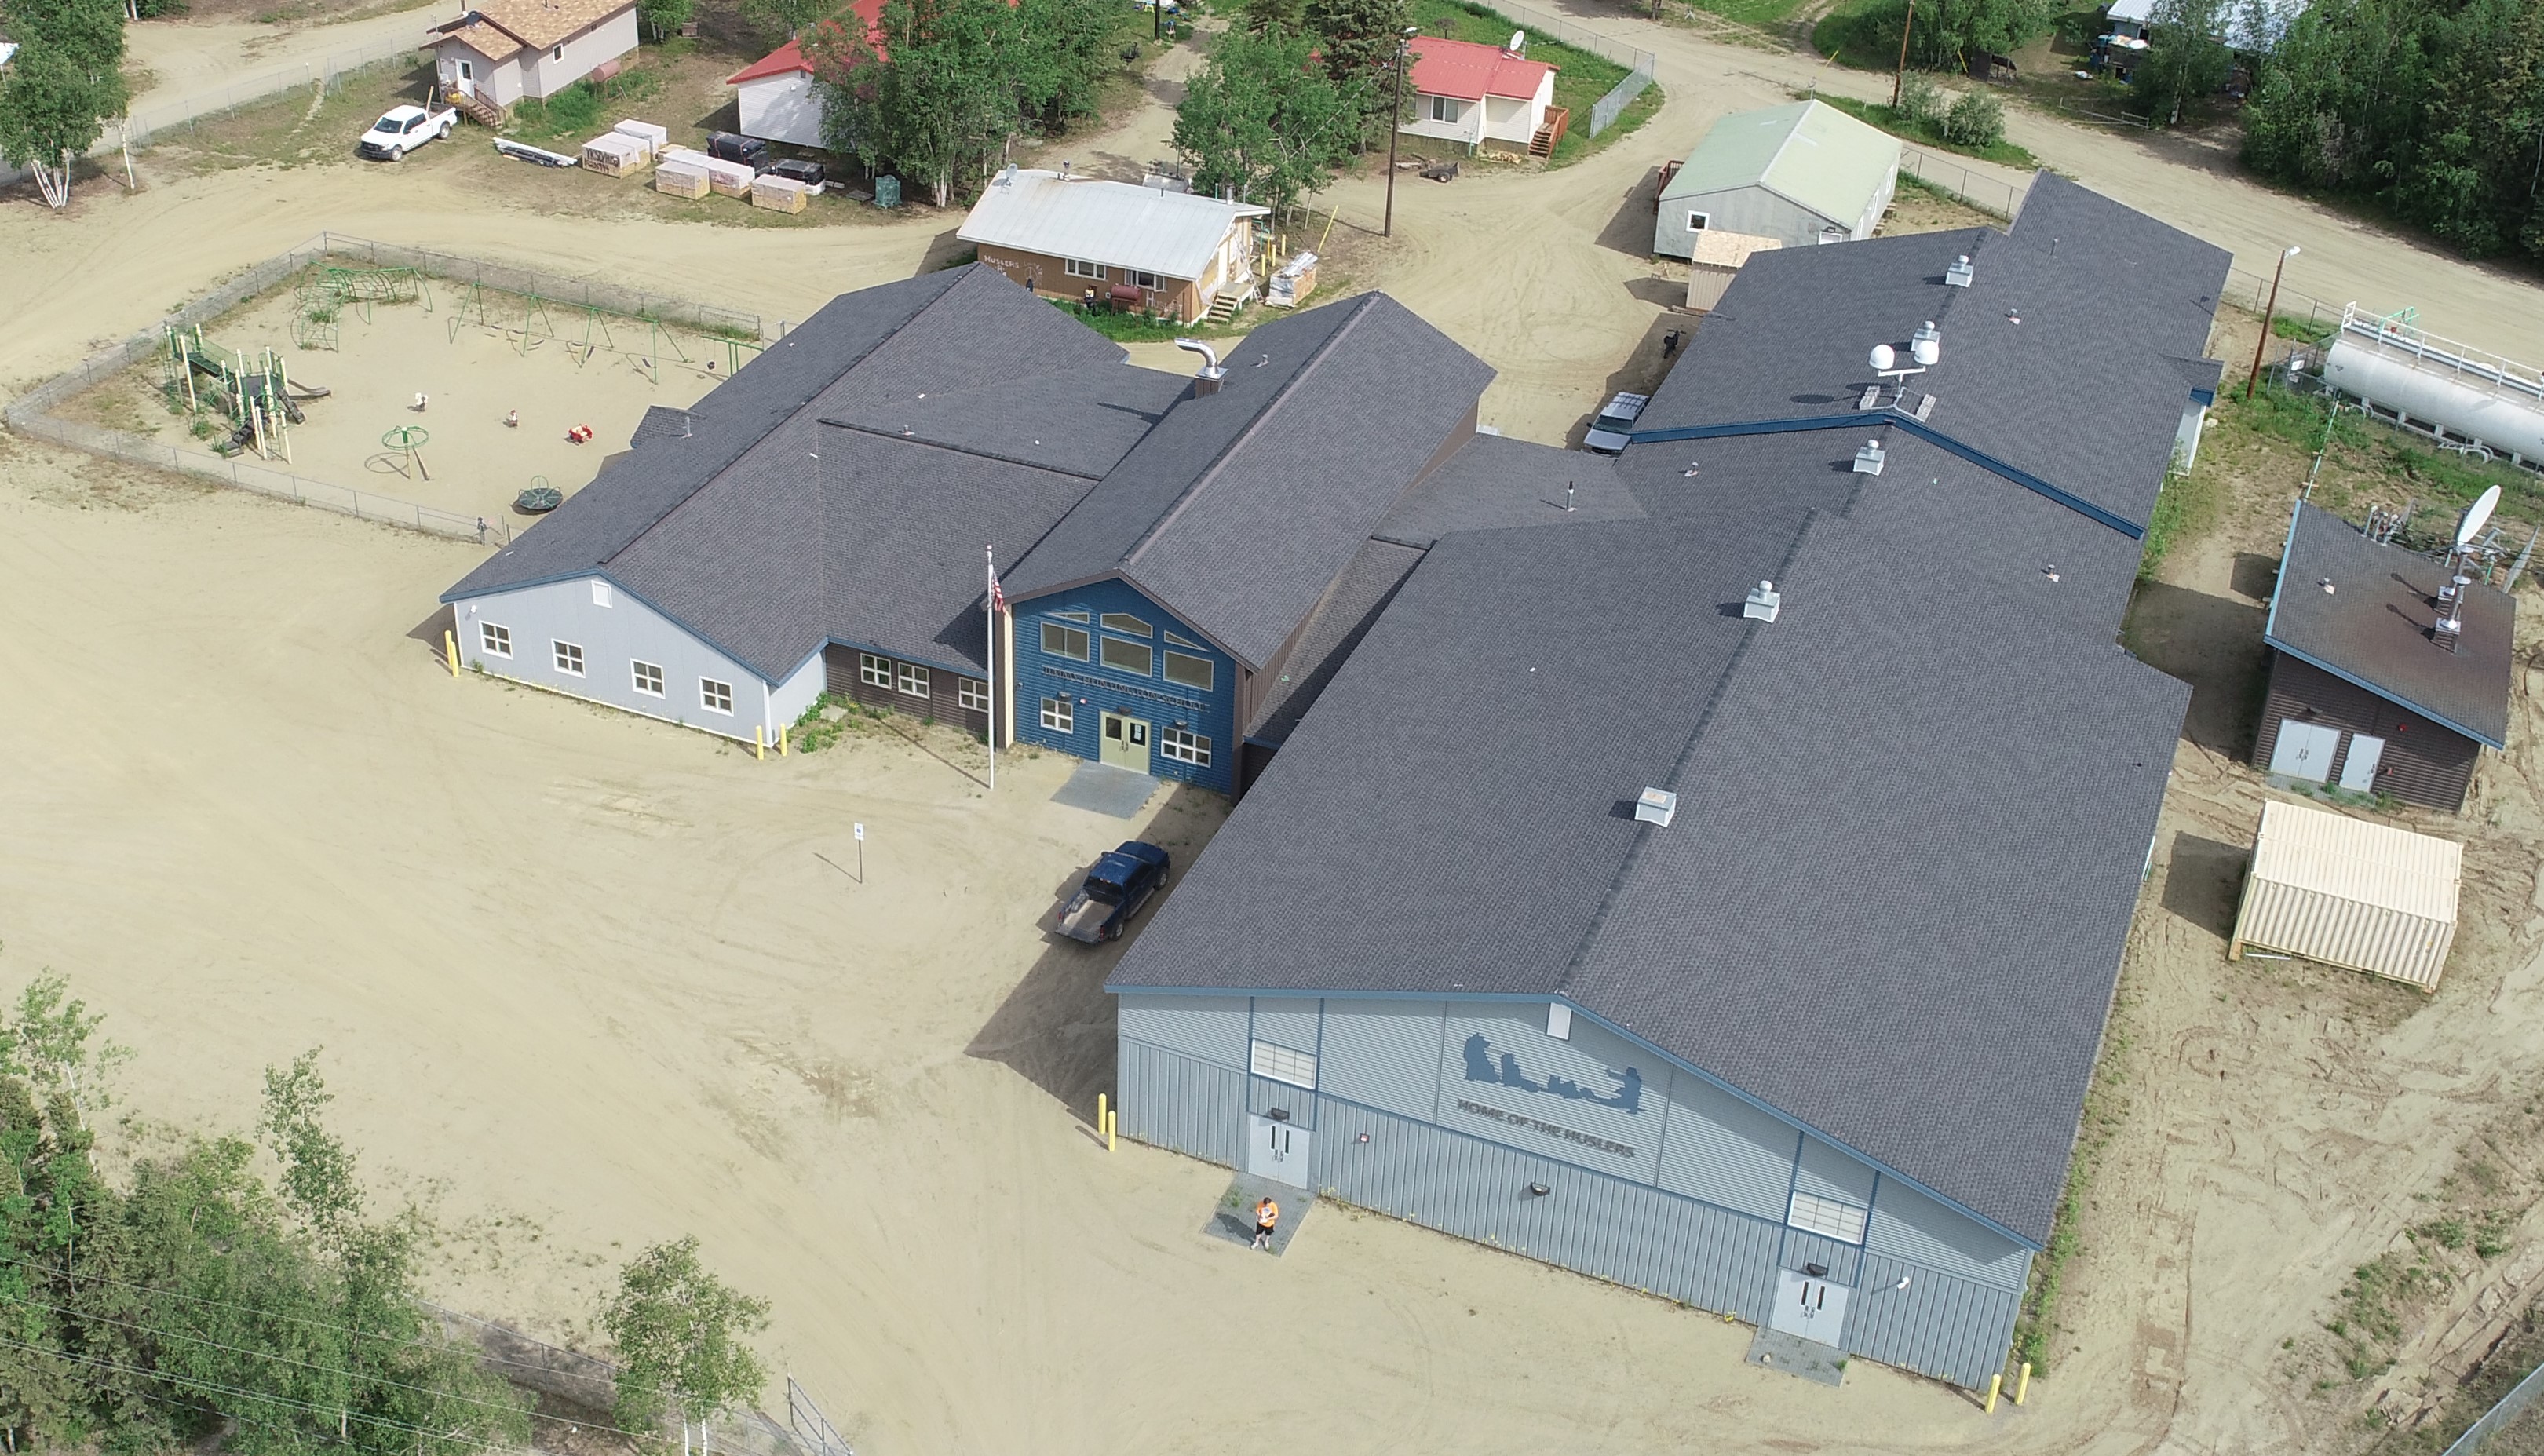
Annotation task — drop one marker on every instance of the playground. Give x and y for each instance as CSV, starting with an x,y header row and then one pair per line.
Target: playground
x,y
450,395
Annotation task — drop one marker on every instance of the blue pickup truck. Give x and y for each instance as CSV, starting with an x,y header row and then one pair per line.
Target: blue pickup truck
x,y
1120,886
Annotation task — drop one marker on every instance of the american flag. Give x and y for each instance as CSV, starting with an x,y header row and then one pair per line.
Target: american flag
x,y
998,598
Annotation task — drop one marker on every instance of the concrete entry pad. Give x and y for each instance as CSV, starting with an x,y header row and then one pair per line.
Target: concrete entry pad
x,y
1791,1354
1233,1218
1104,789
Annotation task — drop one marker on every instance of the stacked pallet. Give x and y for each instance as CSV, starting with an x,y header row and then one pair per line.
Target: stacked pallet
x,y
779,194
680,178
613,155
732,179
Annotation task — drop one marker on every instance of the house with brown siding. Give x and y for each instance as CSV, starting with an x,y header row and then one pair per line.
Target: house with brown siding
x,y
1143,248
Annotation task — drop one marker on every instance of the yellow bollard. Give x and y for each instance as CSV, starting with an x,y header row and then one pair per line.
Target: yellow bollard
x,y
450,650
758,747
1101,1104
1112,1128
1996,1383
2022,1382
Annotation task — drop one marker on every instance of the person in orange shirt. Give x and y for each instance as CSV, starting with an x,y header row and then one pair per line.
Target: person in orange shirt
x,y
1266,1214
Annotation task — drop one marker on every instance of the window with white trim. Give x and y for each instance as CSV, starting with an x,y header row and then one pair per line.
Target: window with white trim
x,y
1829,1218
497,641
1078,615
1697,221
1190,671
569,659
1184,747
1057,717
873,670
715,696
1123,621
1140,280
973,694
649,677
1080,269
1298,1069
1061,641
913,679
1447,109
600,593
1129,657
1174,641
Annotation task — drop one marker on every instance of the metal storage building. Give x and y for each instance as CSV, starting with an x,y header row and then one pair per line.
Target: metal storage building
x,y
1804,173
2364,696
2349,893
1825,1030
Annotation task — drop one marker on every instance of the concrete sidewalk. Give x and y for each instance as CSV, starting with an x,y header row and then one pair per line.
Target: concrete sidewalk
x,y
1233,1218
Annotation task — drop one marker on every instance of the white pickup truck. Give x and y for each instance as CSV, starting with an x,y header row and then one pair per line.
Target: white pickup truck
x,y
405,129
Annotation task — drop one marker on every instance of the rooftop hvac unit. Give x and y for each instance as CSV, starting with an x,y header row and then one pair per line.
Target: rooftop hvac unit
x,y
1867,460
1959,273
1657,806
1763,603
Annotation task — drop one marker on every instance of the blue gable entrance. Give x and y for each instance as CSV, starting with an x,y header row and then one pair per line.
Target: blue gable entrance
x,y
1104,672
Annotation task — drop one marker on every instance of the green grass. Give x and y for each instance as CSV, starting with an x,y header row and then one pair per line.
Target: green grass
x,y
1760,13
1141,328
1580,77
2440,481
2185,508
576,113
1928,134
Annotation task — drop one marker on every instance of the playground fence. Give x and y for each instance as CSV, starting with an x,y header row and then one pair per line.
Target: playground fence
x,y
32,412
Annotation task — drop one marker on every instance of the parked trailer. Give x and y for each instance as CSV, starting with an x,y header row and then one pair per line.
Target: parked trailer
x,y
2461,397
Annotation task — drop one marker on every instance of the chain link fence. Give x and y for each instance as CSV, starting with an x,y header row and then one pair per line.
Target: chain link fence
x,y
2510,1407
1607,109
32,412
1980,191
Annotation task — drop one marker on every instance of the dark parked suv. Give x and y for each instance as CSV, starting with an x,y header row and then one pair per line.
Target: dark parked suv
x,y
751,151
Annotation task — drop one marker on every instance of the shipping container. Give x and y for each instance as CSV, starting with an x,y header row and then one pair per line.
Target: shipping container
x,y
2349,893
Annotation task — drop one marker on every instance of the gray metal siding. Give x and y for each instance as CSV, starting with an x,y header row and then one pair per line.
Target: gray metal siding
x,y
1264,1096
1210,1027
1938,1325
1287,1020
1385,1054
1724,1151
1608,1228
1593,1085
1911,1226
1752,209
1841,1260
1176,1102
1831,1174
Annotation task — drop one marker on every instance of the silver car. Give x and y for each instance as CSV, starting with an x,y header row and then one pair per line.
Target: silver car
x,y
1607,431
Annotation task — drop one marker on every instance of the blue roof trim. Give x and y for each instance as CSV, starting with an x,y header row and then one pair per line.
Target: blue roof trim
x,y
1878,1167
2310,660
1894,419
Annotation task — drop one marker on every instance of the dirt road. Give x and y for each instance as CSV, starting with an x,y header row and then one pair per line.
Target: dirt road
x,y
196,66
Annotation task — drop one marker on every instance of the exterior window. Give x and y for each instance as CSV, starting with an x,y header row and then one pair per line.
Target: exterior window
x,y
1077,616
913,679
1447,109
649,679
1144,280
1190,671
1129,657
1077,269
1827,1217
1123,621
569,659
1062,641
715,696
1056,715
973,694
1298,1069
1174,641
1696,222
560,53
497,641
600,594
1183,747
873,670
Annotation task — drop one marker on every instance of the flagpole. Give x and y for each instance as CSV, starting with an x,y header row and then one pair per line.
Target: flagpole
x,y
989,656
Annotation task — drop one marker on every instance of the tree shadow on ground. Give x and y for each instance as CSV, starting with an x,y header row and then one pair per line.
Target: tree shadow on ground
x,y
2212,643
2201,881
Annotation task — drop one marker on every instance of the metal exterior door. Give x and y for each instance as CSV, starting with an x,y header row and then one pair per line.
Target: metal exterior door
x,y
2358,770
1278,1151
1126,743
1813,1309
2305,750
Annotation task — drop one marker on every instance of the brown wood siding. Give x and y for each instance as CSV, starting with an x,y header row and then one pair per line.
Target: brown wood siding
x,y
2423,763
943,702
1048,274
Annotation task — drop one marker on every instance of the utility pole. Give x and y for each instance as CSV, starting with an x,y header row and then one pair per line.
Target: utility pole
x,y
2268,310
1899,72
1394,119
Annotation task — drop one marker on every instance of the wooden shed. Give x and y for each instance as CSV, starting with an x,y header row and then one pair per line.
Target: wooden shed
x,y
2349,893
1720,252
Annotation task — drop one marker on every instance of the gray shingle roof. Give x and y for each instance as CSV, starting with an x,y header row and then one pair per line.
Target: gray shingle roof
x,y
1333,633
1495,483
1242,506
2373,628
2065,395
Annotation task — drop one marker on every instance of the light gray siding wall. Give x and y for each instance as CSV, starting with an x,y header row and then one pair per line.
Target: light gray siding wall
x,y
1603,1100
1724,1151
1385,1054
1938,1325
613,638
1171,1101
1908,1225
1749,210
1287,1020
549,72
788,701
1831,1174
1211,1028
1297,1105
1801,1250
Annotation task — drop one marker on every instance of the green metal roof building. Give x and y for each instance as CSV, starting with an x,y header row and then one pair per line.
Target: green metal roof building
x,y
1804,173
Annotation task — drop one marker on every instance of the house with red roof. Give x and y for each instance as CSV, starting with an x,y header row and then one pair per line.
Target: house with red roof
x,y
1480,95
775,94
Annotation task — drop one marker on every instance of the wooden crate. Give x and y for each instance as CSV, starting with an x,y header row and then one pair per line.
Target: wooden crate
x,y
779,194
613,155
679,181
732,179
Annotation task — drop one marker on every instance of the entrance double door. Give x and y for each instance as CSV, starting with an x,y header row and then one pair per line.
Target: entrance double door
x,y
1277,1150
1809,1307
1125,744
2306,751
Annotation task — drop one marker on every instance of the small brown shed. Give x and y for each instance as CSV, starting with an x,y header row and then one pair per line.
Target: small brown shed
x,y
1720,252
2349,893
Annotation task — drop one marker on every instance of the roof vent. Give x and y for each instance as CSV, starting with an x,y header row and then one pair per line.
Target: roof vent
x,y
1926,345
1762,603
1960,274
1208,379
1868,460
2450,623
1657,806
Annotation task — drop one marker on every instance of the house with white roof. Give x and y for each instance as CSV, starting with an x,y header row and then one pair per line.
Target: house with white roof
x,y
1479,94
1144,248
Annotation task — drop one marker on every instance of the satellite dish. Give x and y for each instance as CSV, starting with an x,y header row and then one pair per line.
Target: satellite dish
x,y
1926,352
2477,515
1883,356
1518,43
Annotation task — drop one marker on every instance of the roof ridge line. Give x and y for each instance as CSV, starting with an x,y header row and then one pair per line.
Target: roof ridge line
x,y
691,493
1360,310
882,433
